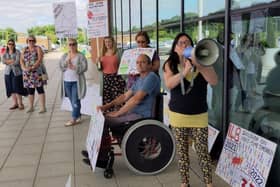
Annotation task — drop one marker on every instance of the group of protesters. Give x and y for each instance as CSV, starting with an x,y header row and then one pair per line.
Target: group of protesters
x,y
24,72
124,100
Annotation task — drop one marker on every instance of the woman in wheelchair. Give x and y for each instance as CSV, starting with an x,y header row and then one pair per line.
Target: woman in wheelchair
x,y
138,104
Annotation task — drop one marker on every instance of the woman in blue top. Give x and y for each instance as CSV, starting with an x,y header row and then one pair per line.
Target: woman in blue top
x,y
13,75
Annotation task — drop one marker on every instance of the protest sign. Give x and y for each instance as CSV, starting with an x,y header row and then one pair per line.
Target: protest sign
x,y
94,137
68,183
128,60
212,136
65,19
88,103
97,19
246,158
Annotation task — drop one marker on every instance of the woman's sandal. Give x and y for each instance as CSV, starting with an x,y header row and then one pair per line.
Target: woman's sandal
x,y
21,107
70,123
13,107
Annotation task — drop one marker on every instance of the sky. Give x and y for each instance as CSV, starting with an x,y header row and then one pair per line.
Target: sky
x,y
23,14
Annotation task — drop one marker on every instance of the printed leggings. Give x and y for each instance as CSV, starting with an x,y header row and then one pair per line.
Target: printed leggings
x,y
200,138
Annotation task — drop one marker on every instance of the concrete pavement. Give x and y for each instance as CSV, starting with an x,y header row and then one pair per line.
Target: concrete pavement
x,y
36,150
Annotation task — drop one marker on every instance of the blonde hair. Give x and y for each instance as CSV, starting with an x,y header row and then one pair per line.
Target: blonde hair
x,y
104,49
72,40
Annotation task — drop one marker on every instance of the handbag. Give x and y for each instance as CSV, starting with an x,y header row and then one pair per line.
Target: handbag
x,y
45,76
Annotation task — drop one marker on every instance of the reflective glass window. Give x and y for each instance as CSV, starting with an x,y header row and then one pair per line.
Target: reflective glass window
x,y
126,16
149,19
169,25
255,72
135,16
119,23
236,4
194,8
214,29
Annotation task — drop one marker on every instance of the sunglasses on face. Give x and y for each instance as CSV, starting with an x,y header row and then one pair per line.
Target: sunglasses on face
x,y
11,44
180,43
31,40
72,44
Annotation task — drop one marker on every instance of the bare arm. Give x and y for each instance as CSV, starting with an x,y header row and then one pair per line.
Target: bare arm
x,y
207,72
172,80
116,102
7,61
209,75
130,104
40,58
22,64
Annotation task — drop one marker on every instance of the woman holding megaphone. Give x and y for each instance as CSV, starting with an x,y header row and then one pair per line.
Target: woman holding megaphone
x,y
187,81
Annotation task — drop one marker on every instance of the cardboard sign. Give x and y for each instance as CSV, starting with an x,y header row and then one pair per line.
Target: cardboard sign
x,y
97,19
94,137
88,103
246,158
212,136
65,18
128,60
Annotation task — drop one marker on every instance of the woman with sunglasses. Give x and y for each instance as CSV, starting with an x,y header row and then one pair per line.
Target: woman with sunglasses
x,y
188,110
73,66
13,75
143,41
31,62
113,84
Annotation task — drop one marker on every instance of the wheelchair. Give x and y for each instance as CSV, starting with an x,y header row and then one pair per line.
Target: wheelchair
x,y
147,145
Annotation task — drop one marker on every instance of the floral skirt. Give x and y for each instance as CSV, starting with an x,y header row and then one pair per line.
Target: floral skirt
x,y
113,86
33,79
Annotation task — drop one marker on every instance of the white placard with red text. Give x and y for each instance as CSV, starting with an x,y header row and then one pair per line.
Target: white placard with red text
x,y
246,158
97,15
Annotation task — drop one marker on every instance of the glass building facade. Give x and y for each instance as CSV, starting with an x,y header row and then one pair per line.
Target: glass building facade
x,y
249,30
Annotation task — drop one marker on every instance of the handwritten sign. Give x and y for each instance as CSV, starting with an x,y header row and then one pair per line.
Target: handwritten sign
x,y
128,60
246,158
65,19
68,183
212,136
94,137
97,19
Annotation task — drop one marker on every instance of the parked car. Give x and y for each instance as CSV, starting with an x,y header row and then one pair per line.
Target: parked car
x,y
44,49
20,47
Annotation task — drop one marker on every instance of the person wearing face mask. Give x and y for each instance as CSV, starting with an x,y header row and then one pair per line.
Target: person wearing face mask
x,y
188,111
143,41
73,66
31,62
13,75
113,84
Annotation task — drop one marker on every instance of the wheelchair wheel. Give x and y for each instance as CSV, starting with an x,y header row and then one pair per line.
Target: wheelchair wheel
x,y
148,147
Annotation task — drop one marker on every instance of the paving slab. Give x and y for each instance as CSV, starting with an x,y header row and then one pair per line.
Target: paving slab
x,y
36,150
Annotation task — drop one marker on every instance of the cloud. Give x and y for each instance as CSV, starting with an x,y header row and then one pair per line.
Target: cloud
x,y
23,14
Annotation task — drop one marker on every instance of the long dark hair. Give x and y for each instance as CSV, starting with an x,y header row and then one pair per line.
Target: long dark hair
x,y
7,48
145,35
173,59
